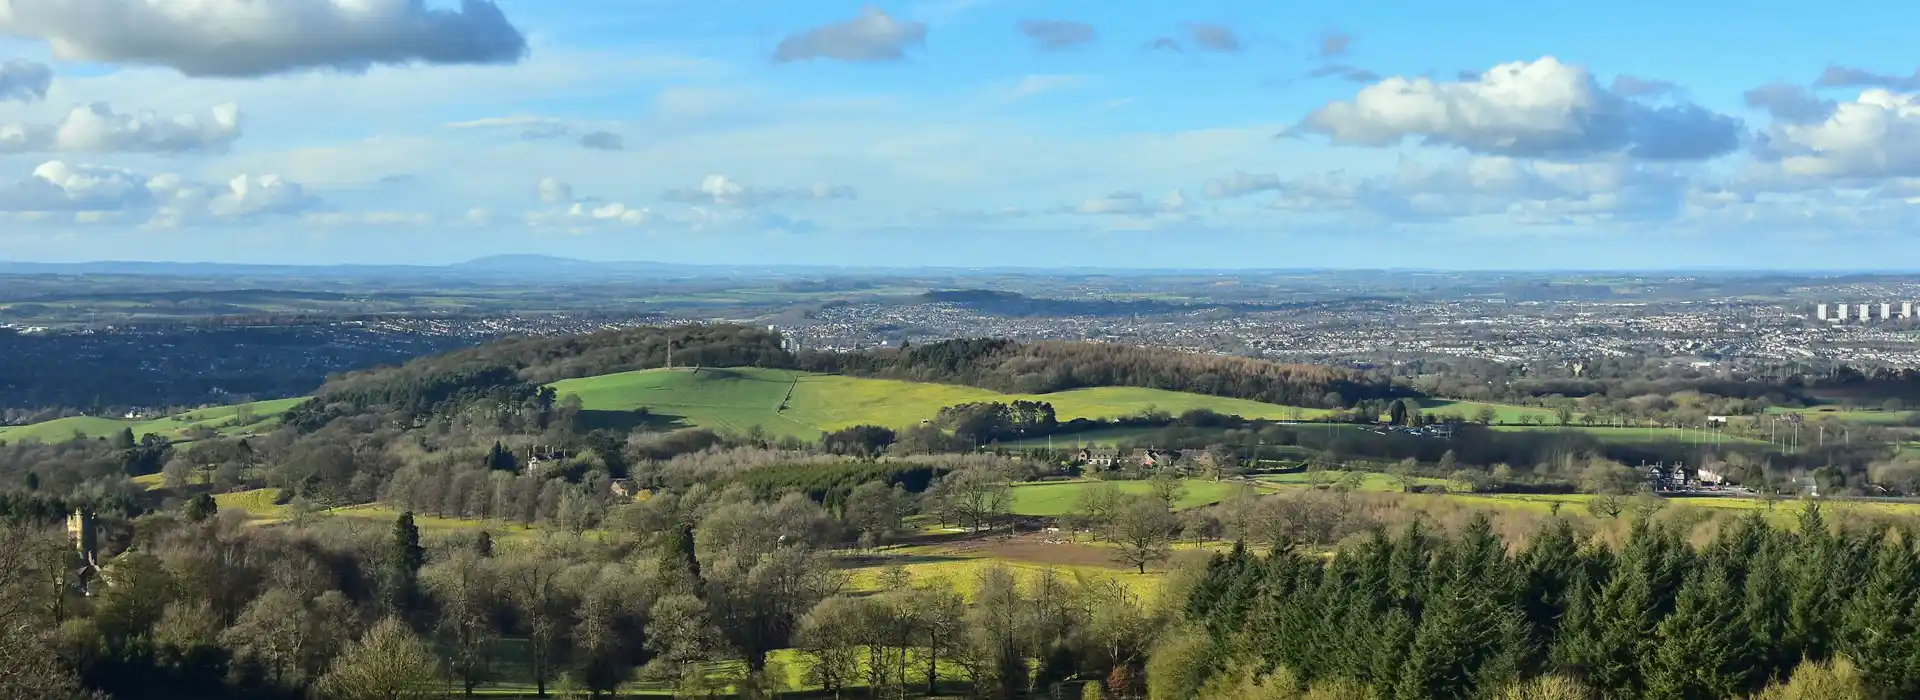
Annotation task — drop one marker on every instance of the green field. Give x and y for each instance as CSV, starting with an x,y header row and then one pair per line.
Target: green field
x,y
1470,410
1865,416
219,418
1369,481
1644,436
739,398
1059,497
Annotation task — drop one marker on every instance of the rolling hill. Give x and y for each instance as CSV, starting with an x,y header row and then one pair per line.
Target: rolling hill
x,y
736,399
219,418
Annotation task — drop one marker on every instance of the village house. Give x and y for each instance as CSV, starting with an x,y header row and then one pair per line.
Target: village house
x,y
1097,457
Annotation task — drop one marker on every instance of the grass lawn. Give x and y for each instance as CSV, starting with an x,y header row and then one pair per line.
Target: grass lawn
x,y
738,398
1058,497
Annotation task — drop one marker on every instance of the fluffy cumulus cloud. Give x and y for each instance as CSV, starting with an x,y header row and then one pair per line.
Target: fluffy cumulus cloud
x,y
1542,108
1055,35
93,193
582,215
723,191
1874,136
97,128
872,37
245,38
1519,191
24,81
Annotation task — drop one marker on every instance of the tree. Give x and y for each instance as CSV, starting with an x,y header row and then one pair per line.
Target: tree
x,y
976,497
1168,489
1564,414
29,668
1397,413
830,637
1144,529
876,511
400,573
200,508
1403,474
1094,507
123,440
1487,415
466,588
389,663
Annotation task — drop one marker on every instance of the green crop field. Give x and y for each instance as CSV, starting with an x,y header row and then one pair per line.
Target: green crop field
x,y
1059,497
219,418
736,399
1369,481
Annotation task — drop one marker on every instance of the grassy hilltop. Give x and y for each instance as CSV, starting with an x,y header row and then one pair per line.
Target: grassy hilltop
x,y
223,419
738,398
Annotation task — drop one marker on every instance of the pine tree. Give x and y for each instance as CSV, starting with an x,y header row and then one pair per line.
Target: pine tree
x,y
1470,629
1880,632
1700,652
400,574
1550,561
483,544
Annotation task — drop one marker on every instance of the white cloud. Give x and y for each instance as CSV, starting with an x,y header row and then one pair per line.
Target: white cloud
x,y
872,37
170,200
583,215
97,128
1126,203
1520,191
245,38
723,191
1528,109
1874,136
24,81
553,191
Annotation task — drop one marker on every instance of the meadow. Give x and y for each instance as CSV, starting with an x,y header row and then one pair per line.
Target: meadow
x,y
738,398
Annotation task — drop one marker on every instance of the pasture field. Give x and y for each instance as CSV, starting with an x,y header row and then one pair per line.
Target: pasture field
x,y
1369,481
1644,436
1877,417
738,398
1470,410
1052,498
222,419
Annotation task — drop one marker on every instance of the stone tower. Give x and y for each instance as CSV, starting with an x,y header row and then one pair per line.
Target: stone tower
x,y
84,532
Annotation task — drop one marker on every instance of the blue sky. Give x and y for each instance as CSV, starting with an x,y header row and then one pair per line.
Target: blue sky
x,y
962,132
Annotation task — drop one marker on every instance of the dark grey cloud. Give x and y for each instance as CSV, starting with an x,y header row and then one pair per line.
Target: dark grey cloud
x,y
872,37
1542,108
1333,44
1789,103
1631,86
25,81
1352,74
603,141
1218,38
1054,35
1842,76
250,39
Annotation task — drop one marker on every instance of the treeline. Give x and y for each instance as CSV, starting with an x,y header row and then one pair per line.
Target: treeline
x,y
1037,368
1419,616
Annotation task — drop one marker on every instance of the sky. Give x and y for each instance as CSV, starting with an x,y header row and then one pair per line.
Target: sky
x,y
1390,133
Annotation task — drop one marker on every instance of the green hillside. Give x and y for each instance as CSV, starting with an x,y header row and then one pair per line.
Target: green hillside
x,y
220,418
736,399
